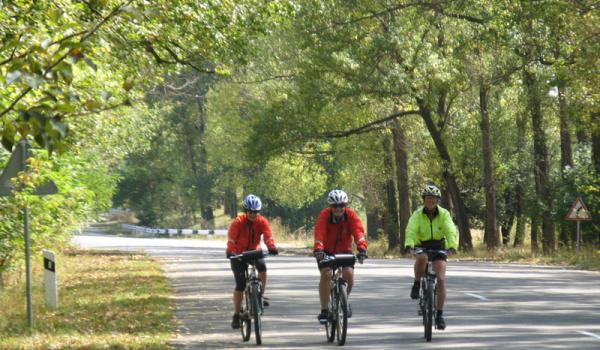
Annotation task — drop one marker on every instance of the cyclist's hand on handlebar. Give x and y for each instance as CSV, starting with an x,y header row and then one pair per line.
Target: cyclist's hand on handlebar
x,y
362,255
273,251
451,251
229,254
319,254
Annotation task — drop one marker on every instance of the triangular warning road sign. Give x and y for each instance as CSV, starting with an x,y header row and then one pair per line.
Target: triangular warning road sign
x,y
578,211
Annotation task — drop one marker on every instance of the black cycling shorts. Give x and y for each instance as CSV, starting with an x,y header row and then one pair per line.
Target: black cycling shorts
x,y
434,244
239,268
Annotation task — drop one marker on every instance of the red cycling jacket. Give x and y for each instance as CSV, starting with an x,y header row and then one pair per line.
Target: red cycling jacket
x,y
337,237
245,234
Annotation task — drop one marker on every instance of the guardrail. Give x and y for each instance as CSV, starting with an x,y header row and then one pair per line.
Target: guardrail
x,y
170,232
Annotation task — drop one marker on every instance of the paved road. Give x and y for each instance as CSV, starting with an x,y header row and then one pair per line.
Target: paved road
x,y
490,306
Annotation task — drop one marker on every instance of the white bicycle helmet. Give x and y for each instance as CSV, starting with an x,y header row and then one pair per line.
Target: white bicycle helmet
x,y
337,197
431,190
252,202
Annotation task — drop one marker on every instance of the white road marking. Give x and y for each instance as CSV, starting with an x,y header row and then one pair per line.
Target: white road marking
x,y
589,333
480,297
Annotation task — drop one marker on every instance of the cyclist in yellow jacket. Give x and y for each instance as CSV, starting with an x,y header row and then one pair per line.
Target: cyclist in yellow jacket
x,y
431,227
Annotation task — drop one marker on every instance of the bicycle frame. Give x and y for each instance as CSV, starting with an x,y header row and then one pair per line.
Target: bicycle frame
x,y
428,292
337,324
254,307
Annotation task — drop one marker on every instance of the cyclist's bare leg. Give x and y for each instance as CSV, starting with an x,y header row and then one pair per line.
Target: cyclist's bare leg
x,y
420,266
237,301
348,276
439,266
326,274
262,276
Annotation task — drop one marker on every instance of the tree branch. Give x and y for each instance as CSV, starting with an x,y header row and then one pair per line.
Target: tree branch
x,y
107,108
374,125
175,59
275,77
61,58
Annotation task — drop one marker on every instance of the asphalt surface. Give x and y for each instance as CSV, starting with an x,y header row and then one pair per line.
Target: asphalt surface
x,y
489,306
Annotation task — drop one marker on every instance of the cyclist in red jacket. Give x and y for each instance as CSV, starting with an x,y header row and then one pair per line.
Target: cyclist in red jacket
x,y
335,228
244,234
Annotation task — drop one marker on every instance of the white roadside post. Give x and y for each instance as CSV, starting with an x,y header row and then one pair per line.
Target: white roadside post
x,y
51,291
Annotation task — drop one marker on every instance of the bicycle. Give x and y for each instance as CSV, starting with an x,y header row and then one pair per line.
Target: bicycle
x,y
337,322
428,291
252,297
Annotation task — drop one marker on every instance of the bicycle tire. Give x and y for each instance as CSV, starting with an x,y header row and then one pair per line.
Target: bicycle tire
x,y
331,323
246,323
422,301
342,314
256,314
429,312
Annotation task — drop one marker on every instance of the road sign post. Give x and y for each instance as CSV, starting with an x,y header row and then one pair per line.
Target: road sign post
x,y
578,212
16,164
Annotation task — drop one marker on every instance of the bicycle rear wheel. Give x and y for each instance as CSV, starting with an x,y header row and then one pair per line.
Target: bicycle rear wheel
x,y
331,324
256,314
428,311
342,315
245,322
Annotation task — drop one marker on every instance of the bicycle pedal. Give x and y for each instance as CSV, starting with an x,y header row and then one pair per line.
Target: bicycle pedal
x,y
420,313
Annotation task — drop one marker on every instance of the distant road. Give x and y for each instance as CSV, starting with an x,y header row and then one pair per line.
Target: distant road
x,y
490,306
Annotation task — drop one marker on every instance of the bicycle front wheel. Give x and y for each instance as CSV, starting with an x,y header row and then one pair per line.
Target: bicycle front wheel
x,y
342,315
245,323
331,323
428,311
256,314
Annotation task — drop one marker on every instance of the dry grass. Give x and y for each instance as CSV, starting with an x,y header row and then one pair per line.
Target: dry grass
x,y
107,300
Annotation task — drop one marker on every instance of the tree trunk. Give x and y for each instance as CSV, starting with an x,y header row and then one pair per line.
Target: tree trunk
x,y
400,143
595,117
509,219
372,223
541,162
204,181
566,153
489,185
391,223
374,208
465,240
230,206
535,232
520,175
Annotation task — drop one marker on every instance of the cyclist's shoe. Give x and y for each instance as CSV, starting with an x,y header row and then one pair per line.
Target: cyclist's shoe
x,y
323,317
414,292
265,301
440,323
235,322
349,310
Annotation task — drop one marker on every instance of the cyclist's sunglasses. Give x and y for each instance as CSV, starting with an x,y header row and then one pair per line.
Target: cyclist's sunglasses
x,y
338,205
254,211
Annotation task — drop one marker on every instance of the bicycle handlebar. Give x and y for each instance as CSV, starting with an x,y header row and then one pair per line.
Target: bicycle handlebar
x,y
431,251
340,258
249,255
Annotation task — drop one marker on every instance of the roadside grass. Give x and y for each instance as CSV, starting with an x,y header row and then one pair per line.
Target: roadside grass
x,y
107,300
